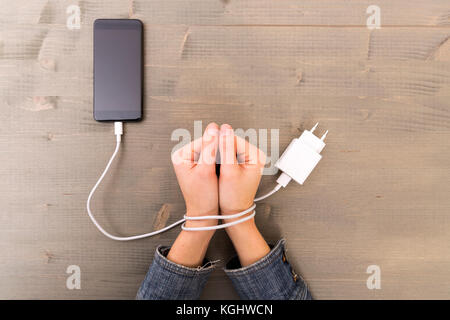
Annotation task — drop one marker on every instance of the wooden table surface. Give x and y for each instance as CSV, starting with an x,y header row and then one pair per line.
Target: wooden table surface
x,y
380,196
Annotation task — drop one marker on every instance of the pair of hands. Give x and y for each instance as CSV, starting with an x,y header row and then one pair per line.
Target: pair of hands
x,y
241,166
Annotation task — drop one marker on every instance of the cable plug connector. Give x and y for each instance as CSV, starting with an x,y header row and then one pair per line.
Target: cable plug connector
x,y
118,130
300,157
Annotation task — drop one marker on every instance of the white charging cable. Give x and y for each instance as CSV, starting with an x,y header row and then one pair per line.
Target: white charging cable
x,y
297,162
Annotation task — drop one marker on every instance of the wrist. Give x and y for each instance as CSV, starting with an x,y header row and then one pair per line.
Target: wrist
x,y
190,247
248,242
243,229
201,223
199,238
243,225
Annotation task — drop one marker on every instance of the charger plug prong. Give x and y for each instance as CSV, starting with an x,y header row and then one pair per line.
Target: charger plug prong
x,y
314,128
324,136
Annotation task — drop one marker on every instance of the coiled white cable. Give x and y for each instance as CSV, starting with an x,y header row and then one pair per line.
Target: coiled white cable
x,y
118,131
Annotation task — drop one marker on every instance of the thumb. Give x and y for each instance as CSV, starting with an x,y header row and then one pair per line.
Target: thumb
x,y
227,148
210,143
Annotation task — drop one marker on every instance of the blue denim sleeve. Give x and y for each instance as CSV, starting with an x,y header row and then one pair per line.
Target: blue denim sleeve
x,y
166,280
270,278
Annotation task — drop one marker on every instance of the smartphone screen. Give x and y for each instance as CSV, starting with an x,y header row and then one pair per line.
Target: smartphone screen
x,y
117,69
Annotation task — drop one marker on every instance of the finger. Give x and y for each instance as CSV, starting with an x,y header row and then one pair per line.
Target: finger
x,y
249,154
189,154
227,147
210,144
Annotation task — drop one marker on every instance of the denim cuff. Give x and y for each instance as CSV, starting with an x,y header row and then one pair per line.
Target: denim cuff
x,y
167,280
270,278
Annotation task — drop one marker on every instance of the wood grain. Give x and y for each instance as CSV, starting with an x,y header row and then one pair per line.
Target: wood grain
x,y
380,195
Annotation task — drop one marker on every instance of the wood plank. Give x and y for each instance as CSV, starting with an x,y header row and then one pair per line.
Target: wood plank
x,y
355,62
291,12
250,12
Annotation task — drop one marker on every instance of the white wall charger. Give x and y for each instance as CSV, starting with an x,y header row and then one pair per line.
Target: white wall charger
x,y
300,157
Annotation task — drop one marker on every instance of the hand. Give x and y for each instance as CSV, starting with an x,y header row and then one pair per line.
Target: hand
x,y
241,166
195,167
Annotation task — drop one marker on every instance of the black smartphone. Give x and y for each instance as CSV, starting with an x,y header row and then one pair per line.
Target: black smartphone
x,y
117,69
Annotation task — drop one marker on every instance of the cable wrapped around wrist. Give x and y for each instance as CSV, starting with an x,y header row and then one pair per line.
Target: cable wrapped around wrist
x,y
220,217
